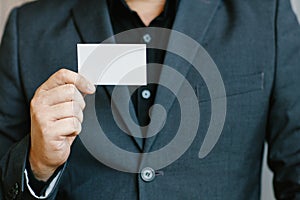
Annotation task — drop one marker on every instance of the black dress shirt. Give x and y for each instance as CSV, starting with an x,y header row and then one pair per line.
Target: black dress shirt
x,y
123,19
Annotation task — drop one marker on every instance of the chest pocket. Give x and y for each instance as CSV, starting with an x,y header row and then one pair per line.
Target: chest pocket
x,y
234,86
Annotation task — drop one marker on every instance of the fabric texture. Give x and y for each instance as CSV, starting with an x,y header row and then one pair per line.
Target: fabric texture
x,y
256,46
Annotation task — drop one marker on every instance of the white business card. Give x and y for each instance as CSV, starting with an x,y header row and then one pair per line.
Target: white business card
x,y
113,64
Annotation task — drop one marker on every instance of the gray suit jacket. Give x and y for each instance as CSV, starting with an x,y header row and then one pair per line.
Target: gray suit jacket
x,y
256,46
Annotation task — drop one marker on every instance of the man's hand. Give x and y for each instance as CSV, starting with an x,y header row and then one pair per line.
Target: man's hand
x,y
56,116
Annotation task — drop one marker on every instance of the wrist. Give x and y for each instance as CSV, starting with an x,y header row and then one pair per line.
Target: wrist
x,y
41,171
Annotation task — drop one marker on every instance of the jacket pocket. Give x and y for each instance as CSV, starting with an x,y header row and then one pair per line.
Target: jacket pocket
x,y
235,86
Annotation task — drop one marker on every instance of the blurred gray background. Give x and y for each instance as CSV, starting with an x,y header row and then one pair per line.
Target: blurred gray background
x,y
267,191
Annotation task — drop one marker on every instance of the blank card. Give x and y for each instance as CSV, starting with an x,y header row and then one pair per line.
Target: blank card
x,y
113,64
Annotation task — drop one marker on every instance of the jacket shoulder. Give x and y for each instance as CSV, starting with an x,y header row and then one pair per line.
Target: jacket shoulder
x,y
44,11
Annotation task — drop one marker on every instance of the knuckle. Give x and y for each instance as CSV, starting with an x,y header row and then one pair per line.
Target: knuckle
x,y
69,106
83,104
38,114
76,125
76,111
80,116
62,73
33,104
76,107
71,90
38,99
70,124
35,101
79,128
72,109
38,90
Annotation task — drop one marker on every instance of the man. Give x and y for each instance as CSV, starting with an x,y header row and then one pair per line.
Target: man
x,y
256,46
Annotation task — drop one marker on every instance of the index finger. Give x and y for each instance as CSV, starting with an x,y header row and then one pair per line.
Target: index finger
x,y
65,76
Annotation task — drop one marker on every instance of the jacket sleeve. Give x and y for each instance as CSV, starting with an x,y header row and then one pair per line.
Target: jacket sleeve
x,y
284,119
14,119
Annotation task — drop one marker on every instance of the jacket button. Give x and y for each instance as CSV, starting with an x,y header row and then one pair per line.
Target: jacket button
x,y
14,191
148,174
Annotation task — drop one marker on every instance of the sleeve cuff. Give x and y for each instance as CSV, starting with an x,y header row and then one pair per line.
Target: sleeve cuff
x,y
49,189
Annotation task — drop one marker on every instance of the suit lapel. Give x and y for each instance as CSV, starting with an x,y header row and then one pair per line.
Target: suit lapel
x,y
93,22
192,19
118,106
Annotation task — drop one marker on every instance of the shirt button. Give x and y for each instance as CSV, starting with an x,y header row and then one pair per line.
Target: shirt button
x,y
148,174
146,94
147,38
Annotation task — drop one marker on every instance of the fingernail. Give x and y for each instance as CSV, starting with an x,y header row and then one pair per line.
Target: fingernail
x,y
91,88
